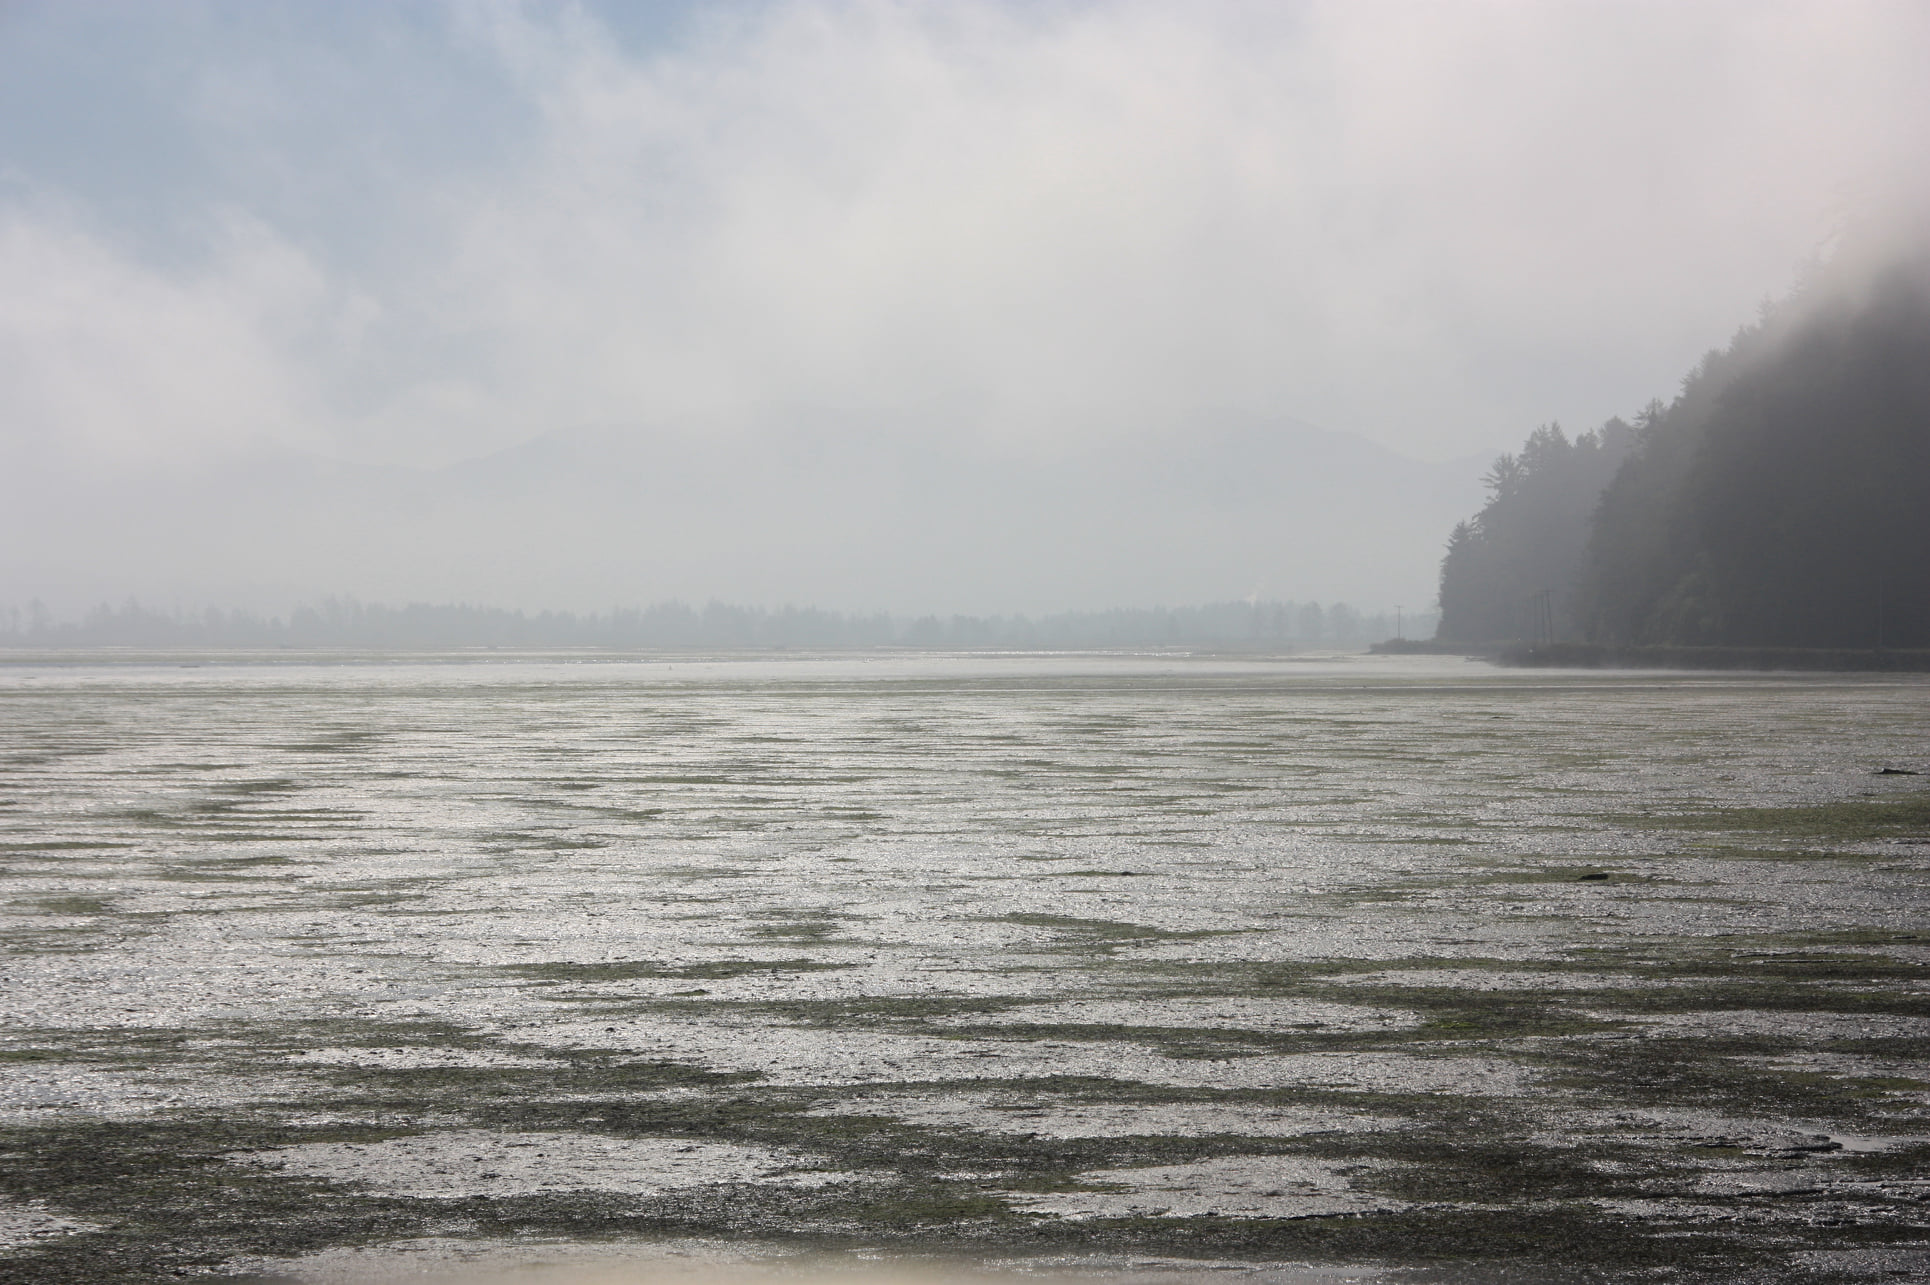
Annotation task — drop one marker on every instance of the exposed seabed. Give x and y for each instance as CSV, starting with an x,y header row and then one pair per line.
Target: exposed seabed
x,y
1391,968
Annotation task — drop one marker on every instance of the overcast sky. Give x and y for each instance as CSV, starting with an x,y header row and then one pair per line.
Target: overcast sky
x,y
418,233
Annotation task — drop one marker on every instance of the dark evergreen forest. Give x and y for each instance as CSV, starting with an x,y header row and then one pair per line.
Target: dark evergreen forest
x,y
1510,572
1782,499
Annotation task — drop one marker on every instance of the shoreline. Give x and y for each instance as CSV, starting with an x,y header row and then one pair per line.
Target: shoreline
x,y
1576,655
1813,659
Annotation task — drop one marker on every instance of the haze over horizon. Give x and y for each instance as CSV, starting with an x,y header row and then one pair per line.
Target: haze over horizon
x,y
878,306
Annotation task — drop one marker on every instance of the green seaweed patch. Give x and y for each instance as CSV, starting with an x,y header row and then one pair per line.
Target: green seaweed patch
x,y
1705,1073
479,1092
169,1204
1565,1241
1459,1014
1110,932
641,970
1849,955
264,785
817,932
1743,852
1559,874
1517,1013
74,905
215,867
1181,1043
1876,816
844,1012
192,1211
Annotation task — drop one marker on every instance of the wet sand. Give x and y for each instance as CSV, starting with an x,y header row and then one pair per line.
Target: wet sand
x,y
1391,967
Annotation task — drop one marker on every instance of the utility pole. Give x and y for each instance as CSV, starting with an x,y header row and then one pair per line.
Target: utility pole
x,y
1398,635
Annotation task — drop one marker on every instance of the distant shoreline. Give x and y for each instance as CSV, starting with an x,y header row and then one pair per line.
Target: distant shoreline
x,y
1599,656
1565,655
11,657
1574,655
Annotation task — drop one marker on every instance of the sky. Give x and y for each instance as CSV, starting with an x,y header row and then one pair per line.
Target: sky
x,y
280,246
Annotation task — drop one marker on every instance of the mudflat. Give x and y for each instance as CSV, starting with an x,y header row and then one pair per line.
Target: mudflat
x,y
323,967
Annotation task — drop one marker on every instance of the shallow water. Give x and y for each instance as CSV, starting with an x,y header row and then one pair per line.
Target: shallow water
x,y
1384,955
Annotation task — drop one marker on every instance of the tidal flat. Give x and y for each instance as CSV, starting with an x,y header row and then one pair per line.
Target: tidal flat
x,y
1368,968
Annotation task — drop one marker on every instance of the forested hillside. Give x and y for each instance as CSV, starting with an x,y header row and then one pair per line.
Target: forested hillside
x,y
1510,571
1782,499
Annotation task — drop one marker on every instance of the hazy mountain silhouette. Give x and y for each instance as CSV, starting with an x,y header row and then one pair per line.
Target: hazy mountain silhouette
x,y
853,518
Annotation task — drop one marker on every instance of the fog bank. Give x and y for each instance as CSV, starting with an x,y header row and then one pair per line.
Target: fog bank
x,y
897,306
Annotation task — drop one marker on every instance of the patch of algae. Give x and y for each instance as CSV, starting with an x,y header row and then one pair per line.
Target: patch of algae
x,y
1575,1180
1873,816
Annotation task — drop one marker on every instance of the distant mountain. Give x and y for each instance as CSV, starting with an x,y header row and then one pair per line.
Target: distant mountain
x,y
853,519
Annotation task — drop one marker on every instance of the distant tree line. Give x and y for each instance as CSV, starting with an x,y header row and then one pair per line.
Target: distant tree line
x,y
1782,499
1510,571
339,623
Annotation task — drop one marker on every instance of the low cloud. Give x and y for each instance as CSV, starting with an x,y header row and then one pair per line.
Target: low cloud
x,y
1033,229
